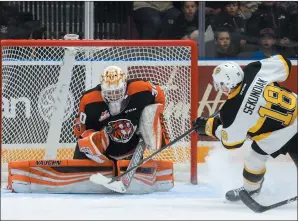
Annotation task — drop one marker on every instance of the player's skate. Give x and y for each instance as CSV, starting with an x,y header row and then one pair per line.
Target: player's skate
x,y
233,195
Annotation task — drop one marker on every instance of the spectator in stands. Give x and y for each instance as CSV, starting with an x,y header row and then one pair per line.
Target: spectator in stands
x,y
291,9
266,46
154,18
247,8
288,6
245,12
222,46
269,15
212,9
185,25
230,19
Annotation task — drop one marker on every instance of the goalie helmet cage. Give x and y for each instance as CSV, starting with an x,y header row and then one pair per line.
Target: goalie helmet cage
x,y
43,80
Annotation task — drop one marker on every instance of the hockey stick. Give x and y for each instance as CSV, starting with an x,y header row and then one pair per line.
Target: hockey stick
x,y
258,208
123,184
117,183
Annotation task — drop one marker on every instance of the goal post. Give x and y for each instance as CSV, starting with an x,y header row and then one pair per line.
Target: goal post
x,y
42,82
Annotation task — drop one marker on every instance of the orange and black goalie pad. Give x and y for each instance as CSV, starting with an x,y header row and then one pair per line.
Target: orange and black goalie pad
x,y
54,176
72,176
153,175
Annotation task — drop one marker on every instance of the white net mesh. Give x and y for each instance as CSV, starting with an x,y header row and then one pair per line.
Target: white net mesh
x,y
35,86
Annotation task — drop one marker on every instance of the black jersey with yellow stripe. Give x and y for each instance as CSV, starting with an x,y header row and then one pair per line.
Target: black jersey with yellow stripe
x,y
275,116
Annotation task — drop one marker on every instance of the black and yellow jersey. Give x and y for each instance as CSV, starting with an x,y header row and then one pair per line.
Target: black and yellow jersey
x,y
259,105
94,114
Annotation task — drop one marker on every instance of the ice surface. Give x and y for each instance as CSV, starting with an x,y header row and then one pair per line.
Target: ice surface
x,y
185,201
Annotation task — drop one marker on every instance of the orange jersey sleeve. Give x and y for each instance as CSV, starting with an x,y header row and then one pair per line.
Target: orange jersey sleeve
x,y
160,98
140,86
88,97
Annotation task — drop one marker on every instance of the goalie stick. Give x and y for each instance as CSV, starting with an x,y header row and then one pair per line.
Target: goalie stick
x,y
120,184
258,208
123,184
117,183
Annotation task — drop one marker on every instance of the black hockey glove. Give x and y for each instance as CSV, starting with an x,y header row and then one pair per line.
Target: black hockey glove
x,y
200,124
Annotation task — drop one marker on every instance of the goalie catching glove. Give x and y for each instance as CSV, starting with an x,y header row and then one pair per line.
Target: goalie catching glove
x,y
93,144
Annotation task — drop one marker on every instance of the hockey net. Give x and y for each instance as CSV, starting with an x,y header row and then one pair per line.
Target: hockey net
x,y
43,81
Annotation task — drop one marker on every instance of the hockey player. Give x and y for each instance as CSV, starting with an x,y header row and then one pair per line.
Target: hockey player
x,y
117,121
257,108
109,115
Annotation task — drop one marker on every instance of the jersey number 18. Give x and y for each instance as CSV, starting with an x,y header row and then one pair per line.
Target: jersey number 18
x,y
281,97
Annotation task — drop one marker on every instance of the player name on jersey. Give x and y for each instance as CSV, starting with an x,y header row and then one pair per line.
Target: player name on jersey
x,y
254,95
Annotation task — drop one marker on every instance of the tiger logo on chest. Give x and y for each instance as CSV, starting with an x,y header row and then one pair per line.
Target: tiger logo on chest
x,y
121,130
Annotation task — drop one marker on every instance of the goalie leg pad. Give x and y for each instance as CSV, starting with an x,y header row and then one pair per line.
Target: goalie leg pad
x,y
57,176
150,125
152,176
72,176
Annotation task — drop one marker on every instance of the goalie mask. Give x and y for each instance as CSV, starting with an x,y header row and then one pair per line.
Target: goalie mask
x,y
227,76
114,87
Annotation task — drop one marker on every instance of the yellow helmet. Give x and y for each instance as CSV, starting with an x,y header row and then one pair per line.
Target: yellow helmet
x,y
113,84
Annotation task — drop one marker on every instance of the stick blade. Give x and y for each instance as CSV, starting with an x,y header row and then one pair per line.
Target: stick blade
x,y
116,186
251,203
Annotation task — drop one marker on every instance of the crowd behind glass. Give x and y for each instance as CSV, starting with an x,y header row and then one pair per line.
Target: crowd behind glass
x,y
245,29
